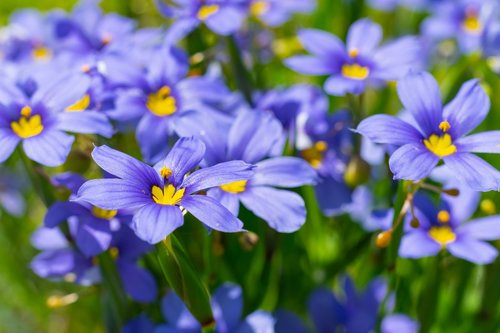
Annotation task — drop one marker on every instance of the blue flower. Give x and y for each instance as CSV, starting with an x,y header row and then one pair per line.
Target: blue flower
x,y
227,306
438,133
359,63
257,137
158,196
448,226
60,261
39,116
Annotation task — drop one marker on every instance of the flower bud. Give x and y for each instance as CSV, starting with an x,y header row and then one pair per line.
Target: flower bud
x,y
357,172
454,192
414,223
384,238
248,240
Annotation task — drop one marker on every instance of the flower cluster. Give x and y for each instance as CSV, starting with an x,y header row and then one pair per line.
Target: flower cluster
x,y
130,135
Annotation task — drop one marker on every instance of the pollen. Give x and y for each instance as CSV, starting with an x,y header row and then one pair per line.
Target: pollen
x,y
41,53
444,126
314,155
488,206
207,11
162,103
258,8
27,126
235,187
443,235
443,216
165,172
80,105
169,196
355,71
440,145
103,213
471,22
114,252
106,39
353,53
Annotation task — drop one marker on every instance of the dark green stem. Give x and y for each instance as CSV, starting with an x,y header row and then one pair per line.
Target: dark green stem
x,y
244,80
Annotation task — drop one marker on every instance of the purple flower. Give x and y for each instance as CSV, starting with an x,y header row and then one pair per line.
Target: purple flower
x,y
253,137
60,261
360,62
39,118
227,306
356,312
462,20
223,17
161,99
94,226
438,133
158,197
445,226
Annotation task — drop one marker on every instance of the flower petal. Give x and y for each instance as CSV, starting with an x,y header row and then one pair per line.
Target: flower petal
x,y
485,228
219,174
310,65
63,91
8,142
485,142
419,93
473,172
258,321
284,211
284,172
50,148
364,36
226,199
397,323
212,213
93,236
227,304
113,194
137,282
320,42
124,166
186,154
338,85
468,109
325,310
86,122
412,162
473,250
60,211
418,244
177,314
387,129
152,223
152,134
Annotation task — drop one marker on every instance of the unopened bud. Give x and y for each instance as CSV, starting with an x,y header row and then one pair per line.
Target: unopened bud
x,y
248,240
384,238
454,192
414,223
357,172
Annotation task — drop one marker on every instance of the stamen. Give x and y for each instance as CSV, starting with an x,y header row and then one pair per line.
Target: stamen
x,y
165,172
353,53
168,196
103,213
443,216
235,187
41,53
207,11
162,103
471,22
314,154
355,71
444,126
440,145
443,235
258,8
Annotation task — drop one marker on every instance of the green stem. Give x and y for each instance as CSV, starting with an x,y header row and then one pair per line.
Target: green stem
x,y
181,276
243,78
114,297
40,182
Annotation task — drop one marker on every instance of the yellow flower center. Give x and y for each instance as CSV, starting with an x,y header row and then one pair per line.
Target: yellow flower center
x,y
80,105
314,154
207,11
443,235
41,53
235,187
355,71
440,145
103,213
258,8
168,196
488,206
471,23
443,216
162,103
27,126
